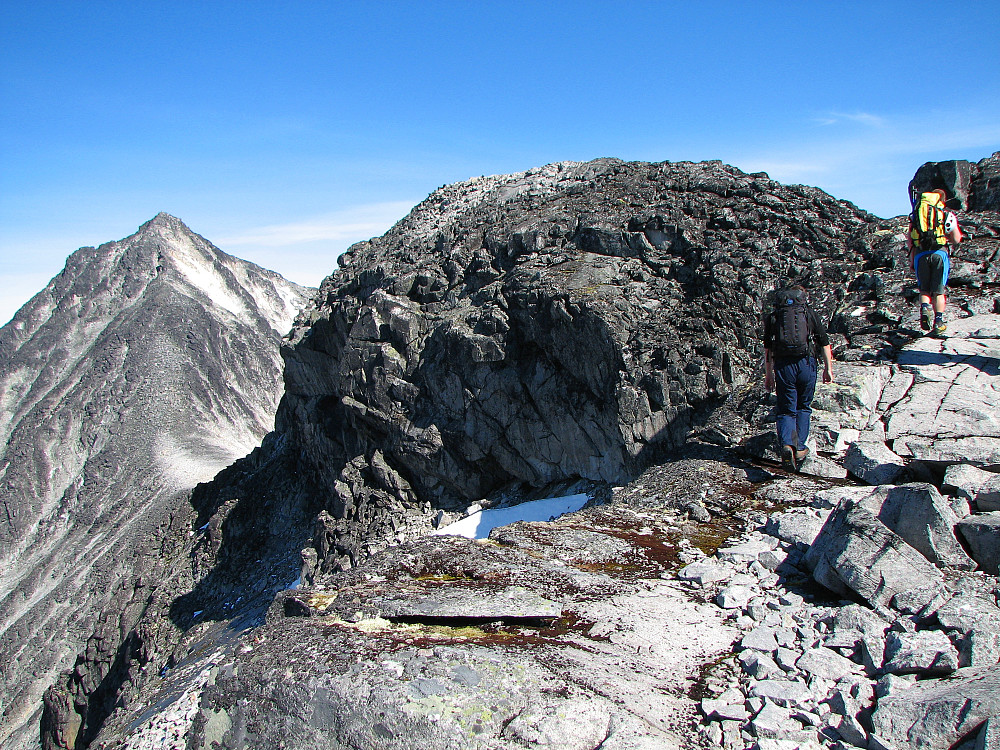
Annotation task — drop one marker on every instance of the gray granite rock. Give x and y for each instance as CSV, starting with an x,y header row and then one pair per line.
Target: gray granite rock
x,y
734,597
774,722
960,395
759,665
760,639
965,612
935,714
794,526
980,487
873,463
788,693
989,736
855,617
704,572
982,534
855,552
831,497
919,514
927,652
980,647
826,663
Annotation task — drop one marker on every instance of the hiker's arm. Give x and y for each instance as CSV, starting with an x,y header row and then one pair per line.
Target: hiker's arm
x,y
827,364
952,229
768,371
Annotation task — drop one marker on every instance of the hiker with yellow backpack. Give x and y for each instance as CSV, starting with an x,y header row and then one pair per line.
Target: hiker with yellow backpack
x,y
932,229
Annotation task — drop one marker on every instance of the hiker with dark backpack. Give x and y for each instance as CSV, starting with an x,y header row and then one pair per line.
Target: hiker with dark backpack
x,y
932,229
792,334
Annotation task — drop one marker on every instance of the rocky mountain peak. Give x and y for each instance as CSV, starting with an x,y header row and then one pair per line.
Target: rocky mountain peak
x,y
143,368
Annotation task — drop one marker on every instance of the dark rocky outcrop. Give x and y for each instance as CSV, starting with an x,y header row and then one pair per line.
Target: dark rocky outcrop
x,y
143,368
970,187
574,321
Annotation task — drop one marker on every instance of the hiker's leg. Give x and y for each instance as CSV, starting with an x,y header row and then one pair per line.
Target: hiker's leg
x,y
940,265
806,382
787,394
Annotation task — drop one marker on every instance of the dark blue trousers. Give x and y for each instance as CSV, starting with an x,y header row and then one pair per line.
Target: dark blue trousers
x,y
795,384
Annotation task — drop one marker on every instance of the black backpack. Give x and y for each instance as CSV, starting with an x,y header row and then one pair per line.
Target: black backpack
x,y
791,335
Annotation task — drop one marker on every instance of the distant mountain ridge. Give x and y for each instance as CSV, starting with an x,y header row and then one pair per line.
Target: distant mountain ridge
x,y
143,368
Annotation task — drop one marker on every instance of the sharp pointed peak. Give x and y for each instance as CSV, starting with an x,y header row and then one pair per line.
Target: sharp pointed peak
x,y
164,220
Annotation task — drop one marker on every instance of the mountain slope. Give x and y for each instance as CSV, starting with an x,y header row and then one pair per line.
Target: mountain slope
x,y
145,367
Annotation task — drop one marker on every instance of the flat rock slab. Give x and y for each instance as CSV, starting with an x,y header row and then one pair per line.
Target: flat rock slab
x,y
935,714
948,413
468,602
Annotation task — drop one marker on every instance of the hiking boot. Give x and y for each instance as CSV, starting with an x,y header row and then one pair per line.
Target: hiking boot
x,y
939,327
788,458
926,317
801,455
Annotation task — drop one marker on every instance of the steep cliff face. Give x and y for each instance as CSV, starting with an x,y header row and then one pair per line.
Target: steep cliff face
x,y
142,369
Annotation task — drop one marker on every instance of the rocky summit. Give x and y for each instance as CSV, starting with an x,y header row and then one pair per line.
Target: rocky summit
x,y
591,329
144,368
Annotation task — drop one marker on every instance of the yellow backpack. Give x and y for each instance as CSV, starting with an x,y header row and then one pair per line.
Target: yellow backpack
x,y
927,223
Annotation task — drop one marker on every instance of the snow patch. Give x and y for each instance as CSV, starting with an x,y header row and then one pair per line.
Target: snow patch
x,y
478,525
186,463
198,270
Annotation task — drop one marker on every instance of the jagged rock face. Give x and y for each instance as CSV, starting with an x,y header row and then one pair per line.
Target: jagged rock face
x,y
142,369
570,321
986,185
971,187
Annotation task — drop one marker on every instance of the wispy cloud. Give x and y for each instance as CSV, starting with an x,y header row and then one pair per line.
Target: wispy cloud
x,y
861,118
305,251
351,224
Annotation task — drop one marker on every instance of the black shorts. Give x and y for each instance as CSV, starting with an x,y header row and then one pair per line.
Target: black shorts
x,y
932,272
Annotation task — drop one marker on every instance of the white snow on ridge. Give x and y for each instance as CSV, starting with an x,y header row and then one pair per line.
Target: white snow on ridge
x,y
479,525
186,463
198,271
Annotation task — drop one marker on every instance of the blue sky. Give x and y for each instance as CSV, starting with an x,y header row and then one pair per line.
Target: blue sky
x,y
284,131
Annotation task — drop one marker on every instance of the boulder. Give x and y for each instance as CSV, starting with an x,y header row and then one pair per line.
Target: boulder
x,y
974,484
826,663
856,554
982,535
980,648
704,572
924,519
985,188
873,462
954,177
924,652
935,714
794,527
